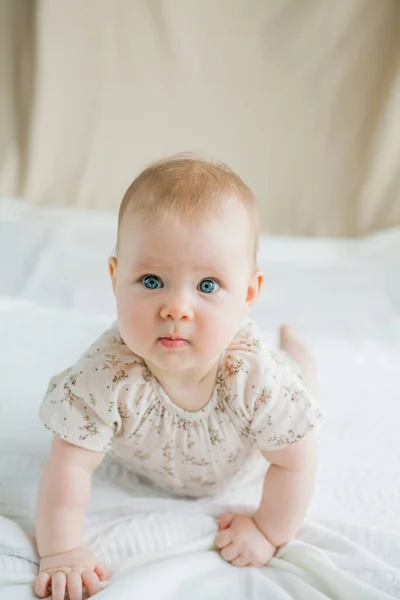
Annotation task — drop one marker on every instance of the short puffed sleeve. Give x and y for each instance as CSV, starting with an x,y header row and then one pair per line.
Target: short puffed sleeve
x,y
82,403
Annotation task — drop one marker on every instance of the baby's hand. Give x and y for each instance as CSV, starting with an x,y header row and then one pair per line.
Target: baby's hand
x,y
70,571
242,543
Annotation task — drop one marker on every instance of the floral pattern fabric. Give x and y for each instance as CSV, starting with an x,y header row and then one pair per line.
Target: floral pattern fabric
x,y
110,401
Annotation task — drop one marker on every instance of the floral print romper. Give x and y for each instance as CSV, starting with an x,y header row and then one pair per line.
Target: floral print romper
x,y
110,401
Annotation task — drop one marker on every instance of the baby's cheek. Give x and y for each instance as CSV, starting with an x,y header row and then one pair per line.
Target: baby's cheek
x,y
217,329
132,318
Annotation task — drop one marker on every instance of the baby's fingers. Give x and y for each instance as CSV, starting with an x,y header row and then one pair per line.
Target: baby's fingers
x,y
102,572
223,538
74,586
229,553
240,561
225,521
42,585
91,582
58,585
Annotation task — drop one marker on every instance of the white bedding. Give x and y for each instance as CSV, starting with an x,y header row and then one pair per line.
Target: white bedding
x,y
344,296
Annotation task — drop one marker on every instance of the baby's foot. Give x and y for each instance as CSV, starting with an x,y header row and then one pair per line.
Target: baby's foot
x,y
290,342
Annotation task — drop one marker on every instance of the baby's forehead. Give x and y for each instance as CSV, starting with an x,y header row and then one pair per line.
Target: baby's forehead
x,y
226,218
182,255
214,239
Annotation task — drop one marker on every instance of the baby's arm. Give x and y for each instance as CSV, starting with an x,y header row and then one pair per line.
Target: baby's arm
x,y
288,488
253,539
63,497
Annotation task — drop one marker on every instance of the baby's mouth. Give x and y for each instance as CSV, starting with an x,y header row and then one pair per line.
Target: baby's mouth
x,y
172,342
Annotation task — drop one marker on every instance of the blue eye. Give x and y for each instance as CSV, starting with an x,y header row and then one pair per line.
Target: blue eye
x,y
208,286
151,282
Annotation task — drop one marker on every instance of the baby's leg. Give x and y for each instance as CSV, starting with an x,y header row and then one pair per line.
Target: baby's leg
x,y
291,343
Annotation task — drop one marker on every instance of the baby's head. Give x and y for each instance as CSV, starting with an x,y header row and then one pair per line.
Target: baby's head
x,y
185,269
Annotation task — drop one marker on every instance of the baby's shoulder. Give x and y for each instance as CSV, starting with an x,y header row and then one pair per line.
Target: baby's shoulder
x,y
110,344
90,403
109,353
249,355
106,365
253,370
263,389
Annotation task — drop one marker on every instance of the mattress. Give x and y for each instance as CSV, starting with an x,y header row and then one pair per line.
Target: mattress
x,y
343,295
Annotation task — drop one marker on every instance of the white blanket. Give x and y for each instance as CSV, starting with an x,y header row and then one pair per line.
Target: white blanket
x,y
345,296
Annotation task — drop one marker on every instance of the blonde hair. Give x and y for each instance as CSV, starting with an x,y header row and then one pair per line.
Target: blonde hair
x,y
190,189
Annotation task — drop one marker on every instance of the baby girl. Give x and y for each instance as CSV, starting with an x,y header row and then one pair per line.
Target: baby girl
x,y
181,389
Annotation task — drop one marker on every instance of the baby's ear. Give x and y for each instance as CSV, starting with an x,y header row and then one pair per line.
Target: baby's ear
x,y
254,288
112,269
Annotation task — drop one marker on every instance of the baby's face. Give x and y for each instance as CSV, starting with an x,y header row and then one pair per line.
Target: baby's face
x,y
181,290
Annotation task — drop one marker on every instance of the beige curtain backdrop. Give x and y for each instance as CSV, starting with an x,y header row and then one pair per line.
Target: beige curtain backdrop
x,y
302,98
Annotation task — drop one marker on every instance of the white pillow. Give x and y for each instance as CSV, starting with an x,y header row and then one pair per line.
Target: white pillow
x,y
36,343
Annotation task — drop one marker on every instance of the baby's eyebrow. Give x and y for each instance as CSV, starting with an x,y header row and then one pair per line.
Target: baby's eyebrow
x,y
149,265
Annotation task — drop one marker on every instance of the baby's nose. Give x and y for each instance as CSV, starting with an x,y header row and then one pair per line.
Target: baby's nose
x,y
177,308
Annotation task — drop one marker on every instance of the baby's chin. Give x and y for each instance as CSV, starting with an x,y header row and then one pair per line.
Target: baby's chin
x,y
179,362
172,363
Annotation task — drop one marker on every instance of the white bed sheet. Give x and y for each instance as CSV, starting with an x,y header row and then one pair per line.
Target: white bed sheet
x,y
344,296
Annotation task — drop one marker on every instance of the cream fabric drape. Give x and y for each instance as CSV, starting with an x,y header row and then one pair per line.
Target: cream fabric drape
x,y
16,90
301,98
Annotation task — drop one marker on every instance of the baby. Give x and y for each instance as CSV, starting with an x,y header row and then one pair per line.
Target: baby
x,y
180,389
